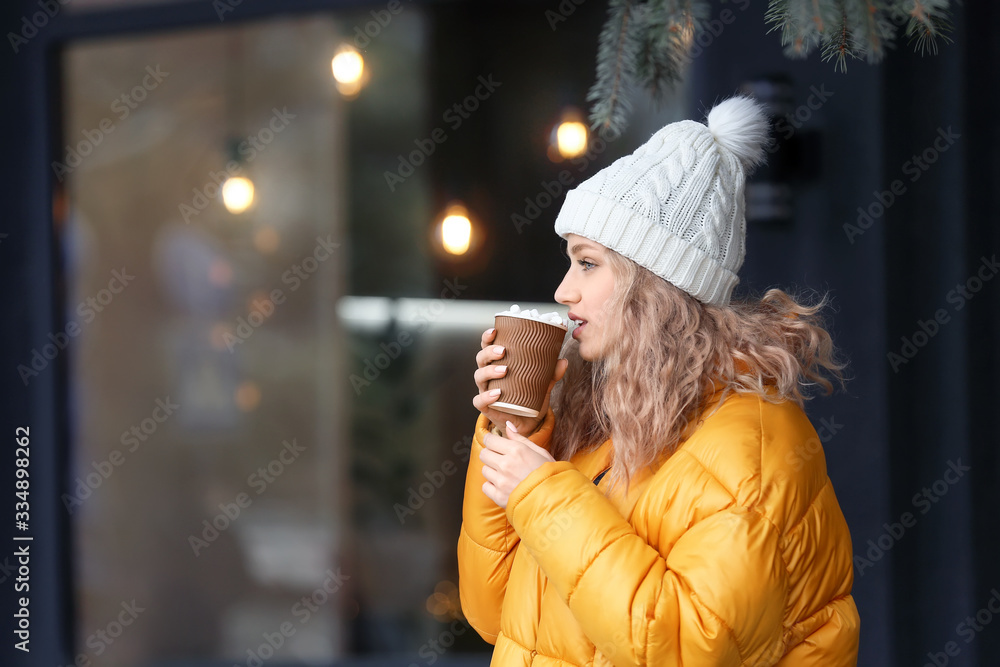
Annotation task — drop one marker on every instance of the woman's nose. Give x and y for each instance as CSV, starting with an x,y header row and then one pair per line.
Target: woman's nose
x,y
565,294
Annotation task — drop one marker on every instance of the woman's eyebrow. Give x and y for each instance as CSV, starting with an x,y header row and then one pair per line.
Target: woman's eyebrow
x,y
581,247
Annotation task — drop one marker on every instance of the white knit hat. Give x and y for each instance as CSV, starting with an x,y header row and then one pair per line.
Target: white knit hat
x,y
676,205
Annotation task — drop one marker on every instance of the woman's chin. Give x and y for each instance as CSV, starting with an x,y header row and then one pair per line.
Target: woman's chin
x,y
586,353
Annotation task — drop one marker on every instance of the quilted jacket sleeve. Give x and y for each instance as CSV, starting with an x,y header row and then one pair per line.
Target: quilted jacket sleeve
x,y
487,542
718,598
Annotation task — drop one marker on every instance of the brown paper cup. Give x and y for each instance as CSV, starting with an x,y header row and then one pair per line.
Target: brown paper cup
x,y
531,352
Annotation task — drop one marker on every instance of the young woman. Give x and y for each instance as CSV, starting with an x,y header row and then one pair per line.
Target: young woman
x,y
673,506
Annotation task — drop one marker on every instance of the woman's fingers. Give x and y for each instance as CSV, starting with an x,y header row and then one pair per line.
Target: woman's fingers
x,y
487,370
483,400
489,457
488,337
488,354
487,373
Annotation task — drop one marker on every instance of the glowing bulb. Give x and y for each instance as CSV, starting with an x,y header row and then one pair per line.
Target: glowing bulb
x,y
247,396
237,194
446,587
571,139
437,604
348,66
456,231
349,90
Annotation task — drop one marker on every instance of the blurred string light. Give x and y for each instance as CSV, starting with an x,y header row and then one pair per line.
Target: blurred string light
x,y
349,71
237,194
237,191
443,603
569,137
455,230
247,396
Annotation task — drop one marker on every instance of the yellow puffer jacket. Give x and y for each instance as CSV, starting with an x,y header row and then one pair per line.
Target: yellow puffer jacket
x,y
734,552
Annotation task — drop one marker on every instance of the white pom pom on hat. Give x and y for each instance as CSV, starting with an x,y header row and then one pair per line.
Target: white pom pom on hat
x,y
740,125
676,205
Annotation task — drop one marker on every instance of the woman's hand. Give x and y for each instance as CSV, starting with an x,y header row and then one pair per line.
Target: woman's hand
x,y
507,462
486,372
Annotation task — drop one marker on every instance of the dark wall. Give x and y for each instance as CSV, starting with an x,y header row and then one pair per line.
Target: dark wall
x,y
27,276
926,555
943,236
836,125
981,335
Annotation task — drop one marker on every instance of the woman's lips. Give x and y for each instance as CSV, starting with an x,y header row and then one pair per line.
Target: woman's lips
x,y
576,331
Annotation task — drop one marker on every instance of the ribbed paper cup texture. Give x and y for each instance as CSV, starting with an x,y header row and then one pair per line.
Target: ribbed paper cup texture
x,y
531,350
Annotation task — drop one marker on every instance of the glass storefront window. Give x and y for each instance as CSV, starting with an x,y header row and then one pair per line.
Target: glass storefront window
x,y
234,495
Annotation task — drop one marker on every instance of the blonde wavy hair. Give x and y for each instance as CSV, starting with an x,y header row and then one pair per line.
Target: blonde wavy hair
x,y
668,349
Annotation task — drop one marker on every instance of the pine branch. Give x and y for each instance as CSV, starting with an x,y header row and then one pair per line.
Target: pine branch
x,y
803,23
669,27
871,31
658,68
646,44
927,22
617,56
840,43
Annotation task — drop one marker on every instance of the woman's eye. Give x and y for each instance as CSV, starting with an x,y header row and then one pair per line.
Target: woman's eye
x,y
585,264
